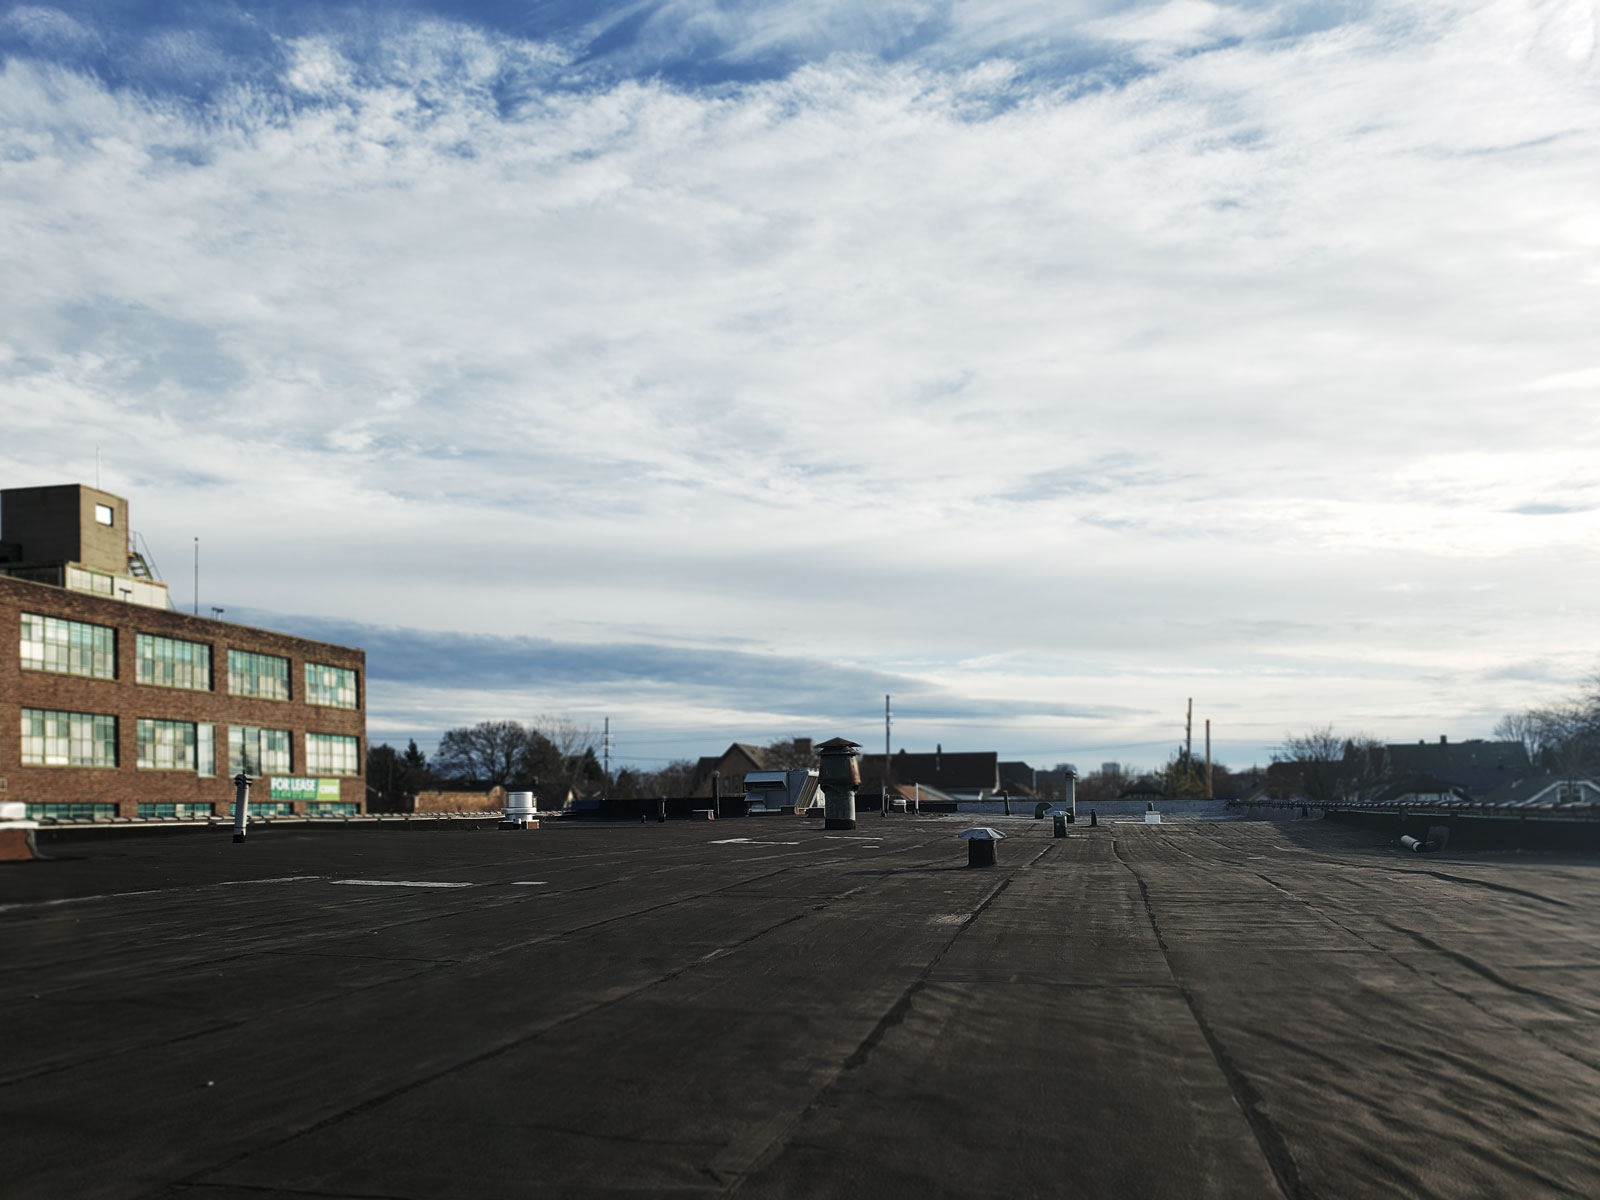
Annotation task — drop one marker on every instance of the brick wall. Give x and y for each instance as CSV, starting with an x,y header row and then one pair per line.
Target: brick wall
x,y
491,801
126,785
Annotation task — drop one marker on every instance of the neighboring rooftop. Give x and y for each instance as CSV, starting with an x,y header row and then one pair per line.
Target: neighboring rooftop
x,y
954,771
1477,766
74,536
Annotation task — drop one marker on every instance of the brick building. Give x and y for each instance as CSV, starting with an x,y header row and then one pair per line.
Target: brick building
x,y
114,704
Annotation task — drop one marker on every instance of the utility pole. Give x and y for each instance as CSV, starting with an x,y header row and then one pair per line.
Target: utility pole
x,y
886,759
1188,733
1211,793
606,743
197,577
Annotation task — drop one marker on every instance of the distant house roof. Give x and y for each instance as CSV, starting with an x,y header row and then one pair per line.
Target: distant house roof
x,y
756,754
1477,766
733,762
1420,785
925,792
1541,788
1017,777
968,771
1241,786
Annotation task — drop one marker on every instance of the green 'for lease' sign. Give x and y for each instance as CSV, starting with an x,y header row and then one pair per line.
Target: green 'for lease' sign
x,y
299,787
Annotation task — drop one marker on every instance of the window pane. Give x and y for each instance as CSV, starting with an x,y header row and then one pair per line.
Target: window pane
x,y
259,752
176,809
68,647
331,686
206,749
264,675
168,745
47,811
68,739
331,754
244,750
168,662
275,752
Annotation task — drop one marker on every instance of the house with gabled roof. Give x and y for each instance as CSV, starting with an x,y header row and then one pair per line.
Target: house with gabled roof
x,y
965,775
1018,778
1476,766
1421,791
733,764
1545,790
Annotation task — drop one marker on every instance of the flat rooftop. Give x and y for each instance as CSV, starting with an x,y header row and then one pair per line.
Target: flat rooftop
x,y
764,1009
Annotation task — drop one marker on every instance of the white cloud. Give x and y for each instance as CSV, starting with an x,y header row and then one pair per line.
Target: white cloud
x,y
317,67
41,27
1582,380
892,360
1178,25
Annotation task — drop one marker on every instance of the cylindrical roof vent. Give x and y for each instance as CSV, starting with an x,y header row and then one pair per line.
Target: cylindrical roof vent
x,y
519,806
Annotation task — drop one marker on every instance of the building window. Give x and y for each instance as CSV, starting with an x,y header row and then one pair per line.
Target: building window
x,y
174,810
68,739
168,662
81,579
104,514
264,675
68,647
270,808
70,811
258,751
177,746
331,686
332,808
331,754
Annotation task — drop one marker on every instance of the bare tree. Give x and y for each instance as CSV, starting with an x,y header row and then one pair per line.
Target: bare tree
x,y
490,752
562,752
1312,766
1098,786
1523,727
1560,737
568,737
790,754
674,779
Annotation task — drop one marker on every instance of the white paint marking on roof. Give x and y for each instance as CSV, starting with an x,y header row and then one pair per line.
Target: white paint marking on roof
x,y
527,883
275,879
82,899
750,842
849,837
146,892
399,883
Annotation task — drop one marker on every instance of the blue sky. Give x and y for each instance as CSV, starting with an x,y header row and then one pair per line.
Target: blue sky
x,y
720,367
